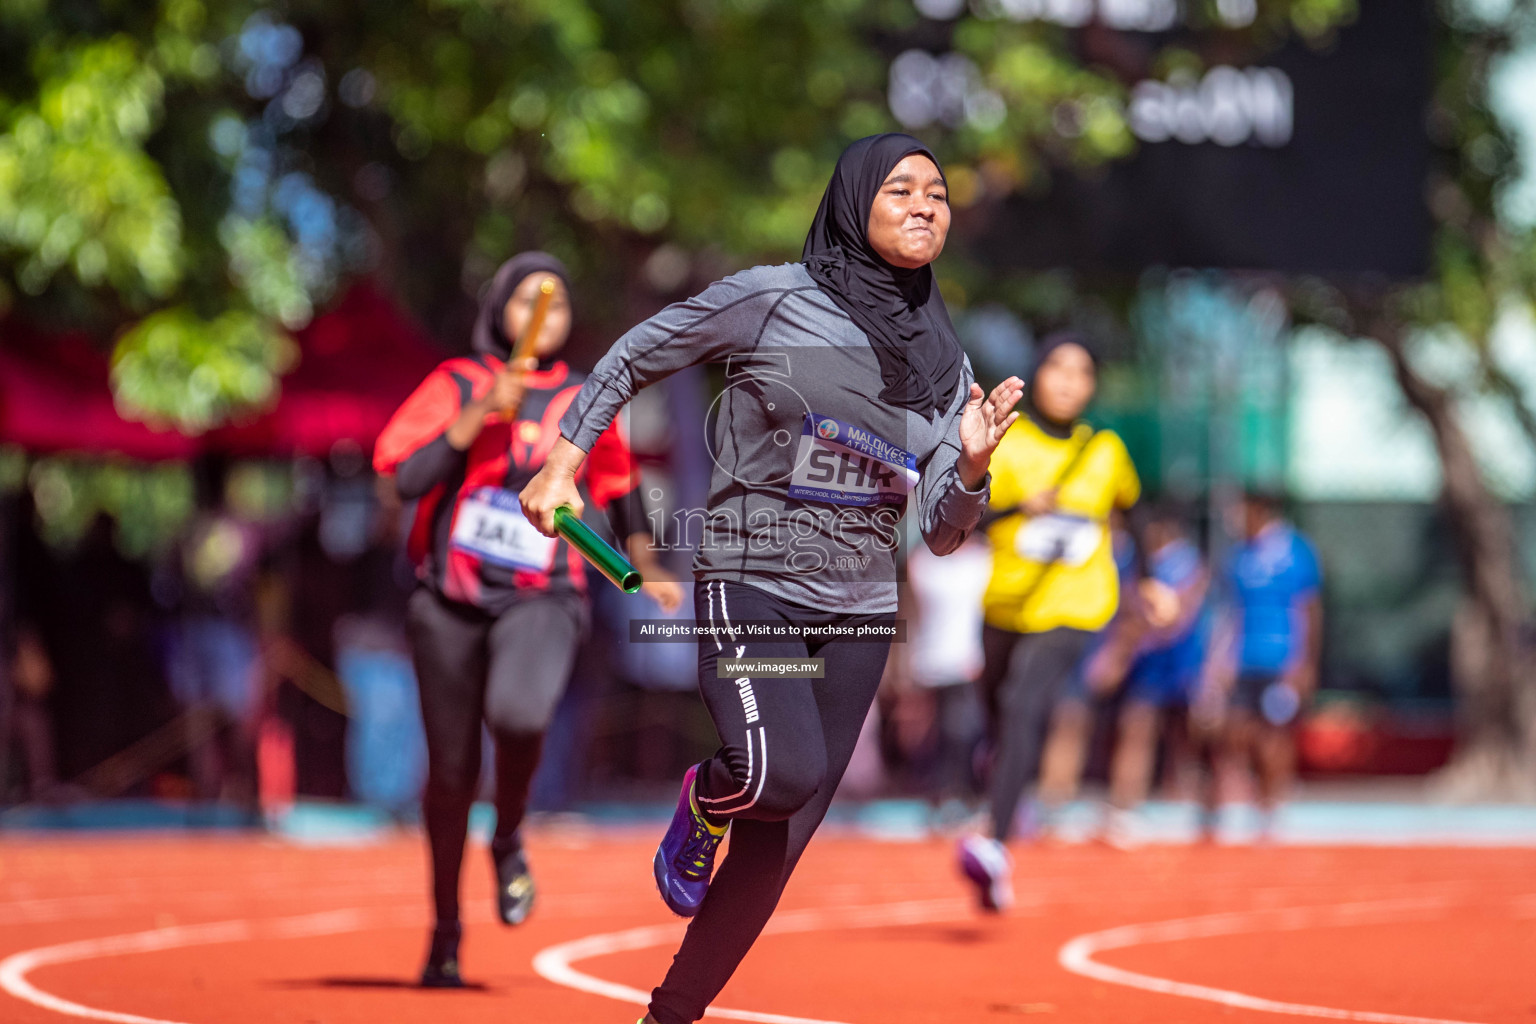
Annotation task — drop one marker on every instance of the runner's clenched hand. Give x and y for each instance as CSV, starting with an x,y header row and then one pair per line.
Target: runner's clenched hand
x,y
552,486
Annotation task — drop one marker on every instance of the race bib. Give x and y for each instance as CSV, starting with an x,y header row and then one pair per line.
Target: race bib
x,y
1066,540
490,524
846,465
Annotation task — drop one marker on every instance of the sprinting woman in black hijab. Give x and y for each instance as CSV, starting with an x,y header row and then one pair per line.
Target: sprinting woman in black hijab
x,y
898,307
498,614
847,396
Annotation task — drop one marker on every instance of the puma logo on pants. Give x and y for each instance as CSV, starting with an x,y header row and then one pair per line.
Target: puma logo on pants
x,y
744,687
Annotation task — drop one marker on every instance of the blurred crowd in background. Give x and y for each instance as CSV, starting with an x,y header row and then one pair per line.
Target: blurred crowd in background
x,y
235,234
259,657
223,626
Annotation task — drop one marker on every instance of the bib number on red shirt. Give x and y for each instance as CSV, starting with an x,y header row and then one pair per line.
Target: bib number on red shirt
x,y
491,526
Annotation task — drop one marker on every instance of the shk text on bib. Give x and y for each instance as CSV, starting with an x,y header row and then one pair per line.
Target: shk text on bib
x,y
490,523
847,465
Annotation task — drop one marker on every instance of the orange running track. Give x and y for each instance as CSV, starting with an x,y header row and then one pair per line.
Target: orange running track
x,y
236,930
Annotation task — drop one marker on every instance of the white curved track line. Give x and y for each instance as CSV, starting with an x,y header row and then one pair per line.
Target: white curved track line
x,y
15,968
1077,955
554,962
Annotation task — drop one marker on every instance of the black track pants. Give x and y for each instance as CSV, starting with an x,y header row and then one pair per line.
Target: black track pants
x,y
785,744
1023,677
508,672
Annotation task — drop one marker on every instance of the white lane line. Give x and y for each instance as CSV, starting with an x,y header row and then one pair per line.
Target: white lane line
x,y
1077,955
15,968
554,962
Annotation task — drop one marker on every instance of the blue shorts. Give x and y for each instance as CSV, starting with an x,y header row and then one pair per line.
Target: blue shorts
x,y
1262,695
1162,679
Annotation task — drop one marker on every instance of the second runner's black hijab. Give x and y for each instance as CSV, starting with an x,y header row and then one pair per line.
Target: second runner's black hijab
x,y
899,309
1050,343
490,333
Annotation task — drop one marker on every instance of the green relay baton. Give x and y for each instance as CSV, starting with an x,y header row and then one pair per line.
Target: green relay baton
x,y
596,550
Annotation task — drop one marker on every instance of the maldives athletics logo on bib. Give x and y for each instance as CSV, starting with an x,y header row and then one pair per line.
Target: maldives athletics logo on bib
x,y
845,464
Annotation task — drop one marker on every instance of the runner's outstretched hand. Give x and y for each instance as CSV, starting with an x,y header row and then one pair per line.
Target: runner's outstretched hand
x,y
985,420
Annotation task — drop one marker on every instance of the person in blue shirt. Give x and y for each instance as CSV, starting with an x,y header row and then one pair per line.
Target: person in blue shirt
x,y
1164,670
1265,658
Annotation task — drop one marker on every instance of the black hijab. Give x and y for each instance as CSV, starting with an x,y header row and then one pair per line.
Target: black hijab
x,y
1050,343
900,310
490,334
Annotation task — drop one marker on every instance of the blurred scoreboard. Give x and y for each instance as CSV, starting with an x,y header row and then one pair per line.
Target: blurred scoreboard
x,y
1296,159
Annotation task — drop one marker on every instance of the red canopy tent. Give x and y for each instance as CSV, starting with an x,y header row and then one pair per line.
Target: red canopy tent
x,y
55,397
357,362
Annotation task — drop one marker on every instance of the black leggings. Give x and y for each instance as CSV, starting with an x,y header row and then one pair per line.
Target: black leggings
x,y
785,744
1023,677
507,671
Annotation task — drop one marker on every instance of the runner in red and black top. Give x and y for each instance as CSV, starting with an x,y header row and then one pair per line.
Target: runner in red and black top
x,y
495,622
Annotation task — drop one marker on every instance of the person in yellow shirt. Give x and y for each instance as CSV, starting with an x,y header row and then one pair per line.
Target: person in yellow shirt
x,y
1054,585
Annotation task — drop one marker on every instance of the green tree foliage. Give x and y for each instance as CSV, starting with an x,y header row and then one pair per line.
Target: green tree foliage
x,y
148,504
194,177
97,227
77,190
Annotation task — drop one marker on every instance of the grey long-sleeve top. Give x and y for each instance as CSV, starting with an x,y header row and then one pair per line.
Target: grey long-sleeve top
x,y
812,471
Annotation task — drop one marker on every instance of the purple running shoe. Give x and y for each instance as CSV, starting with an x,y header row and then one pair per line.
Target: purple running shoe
x,y
685,860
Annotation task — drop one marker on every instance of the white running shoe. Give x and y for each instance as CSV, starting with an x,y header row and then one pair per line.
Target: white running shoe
x,y
988,865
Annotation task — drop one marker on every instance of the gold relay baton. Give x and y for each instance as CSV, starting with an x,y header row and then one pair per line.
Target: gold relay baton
x,y
524,347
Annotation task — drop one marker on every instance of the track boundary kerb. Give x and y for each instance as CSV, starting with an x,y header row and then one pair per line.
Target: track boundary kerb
x,y
1077,955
